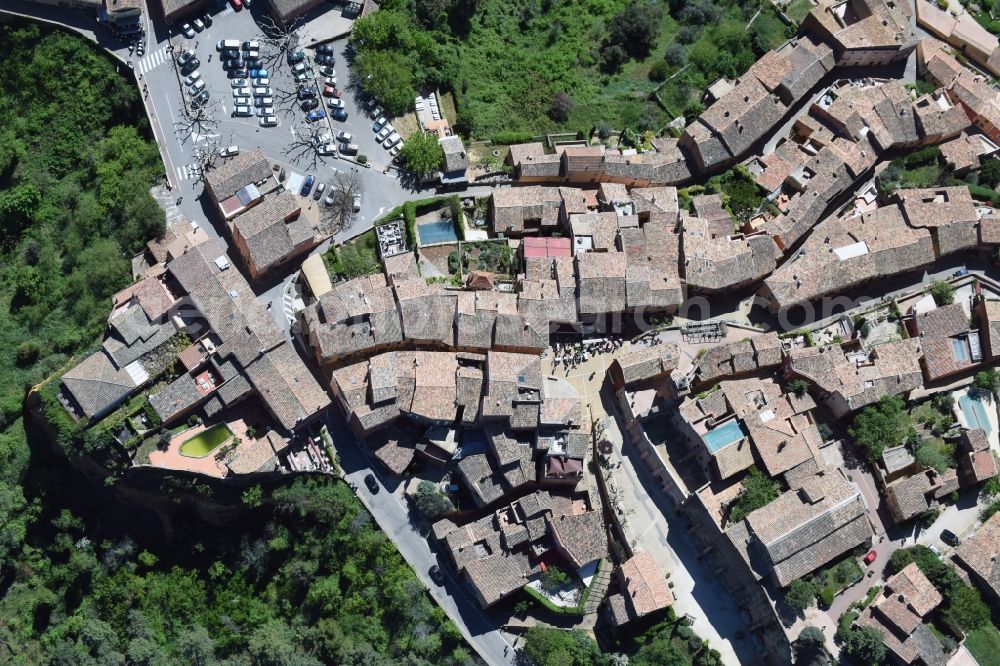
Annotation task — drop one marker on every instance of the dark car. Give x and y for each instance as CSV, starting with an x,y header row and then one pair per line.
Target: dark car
x,y
436,575
233,63
200,100
307,185
185,57
310,104
207,20
296,56
325,48
325,59
190,66
238,73
950,538
338,114
371,483
313,116
306,92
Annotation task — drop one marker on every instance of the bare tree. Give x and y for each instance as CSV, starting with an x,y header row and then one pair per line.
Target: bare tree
x,y
310,143
209,154
200,120
278,41
337,216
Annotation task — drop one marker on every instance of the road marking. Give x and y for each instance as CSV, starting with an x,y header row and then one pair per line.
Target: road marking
x,y
153,60
187,172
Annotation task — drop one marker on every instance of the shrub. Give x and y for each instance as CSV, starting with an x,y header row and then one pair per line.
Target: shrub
x,y
826,596
508,138
362,159
800,594
799,387
758,491
865,645
942,292
659,71
27,353
811,635
675,55
431,502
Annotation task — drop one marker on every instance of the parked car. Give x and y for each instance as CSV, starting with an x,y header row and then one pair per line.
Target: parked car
x,y
190,66
264,101
339,114
242,91
369,104
198,24
326,70
253,63
325,59
238,83
237,4
242,111
262,91
325,48
961,272
313,116
250,45
357,203
384,133
377,112
395,150
379,124
200,100
252,54
870,557
265,111
298,67
327,149
371,483
950,538
330,81
319,191
231,151
349,148
241,101
259,73
227,44
262,82
268,121
207,20
238,73
185,57
187,31
391,141
196,87
344,136
335,103
233,63
331,198
302,77
307,185
309,104
296,56
192,77
306,92
436,575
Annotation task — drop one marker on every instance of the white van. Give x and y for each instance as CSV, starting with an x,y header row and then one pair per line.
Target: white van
x,y
227,44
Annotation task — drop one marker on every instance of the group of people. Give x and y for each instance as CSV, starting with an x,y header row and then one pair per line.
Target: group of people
x,y
571,355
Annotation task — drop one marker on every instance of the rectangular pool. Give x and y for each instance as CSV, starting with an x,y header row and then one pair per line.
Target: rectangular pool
x,y
975,413
437,232
724,435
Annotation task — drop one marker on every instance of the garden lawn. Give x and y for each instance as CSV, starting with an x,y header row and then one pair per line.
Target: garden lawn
x,y
984,644
207,441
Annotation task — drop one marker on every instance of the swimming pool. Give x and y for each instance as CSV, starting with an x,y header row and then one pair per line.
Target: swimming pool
x,y
724,435
437,232
975,413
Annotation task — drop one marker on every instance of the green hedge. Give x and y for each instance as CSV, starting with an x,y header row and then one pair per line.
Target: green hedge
x,y
455,204
508,138
563,610
410,220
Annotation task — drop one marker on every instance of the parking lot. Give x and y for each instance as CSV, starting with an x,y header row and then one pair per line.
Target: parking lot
x,y
286,143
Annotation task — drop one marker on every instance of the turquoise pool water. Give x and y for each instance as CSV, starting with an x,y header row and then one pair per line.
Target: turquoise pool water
x,y
975,413
437,232
724,435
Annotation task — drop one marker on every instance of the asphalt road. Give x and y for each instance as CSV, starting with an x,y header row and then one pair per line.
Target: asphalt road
x,y
393,517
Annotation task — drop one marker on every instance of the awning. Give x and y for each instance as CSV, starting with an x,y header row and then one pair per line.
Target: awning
x,y
316,275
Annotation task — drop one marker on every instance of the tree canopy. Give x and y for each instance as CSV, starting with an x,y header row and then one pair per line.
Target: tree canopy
x,y
881,426
422,153
758,491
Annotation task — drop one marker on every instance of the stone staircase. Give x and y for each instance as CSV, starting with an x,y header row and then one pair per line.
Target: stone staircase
x,y
599,587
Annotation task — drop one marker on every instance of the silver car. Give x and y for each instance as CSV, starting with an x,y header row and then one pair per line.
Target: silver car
x,y
238,83
265,111
263,101
241,101
242,91
242,111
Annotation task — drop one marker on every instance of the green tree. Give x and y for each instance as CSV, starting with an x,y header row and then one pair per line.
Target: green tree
x,y
929,455
989,174
545,646
799,387
966,607
865,646
880,426
422,153
987,380
758,491
942,292
661,651
554,579
253,496
388,76
431,502
800,594
635,27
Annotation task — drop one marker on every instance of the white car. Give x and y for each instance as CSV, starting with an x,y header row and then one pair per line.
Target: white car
x,y
262,91
335,103
263,101
326,70
242,111
192,77
379,123
242,91
357,203
252,53
330,81
231,151
391,141
262,82
394,150
265,111
198,24
377,111
238,83
268,121
344,136
241,101
327,149
299,67
187,30
384,133
252,45
196,87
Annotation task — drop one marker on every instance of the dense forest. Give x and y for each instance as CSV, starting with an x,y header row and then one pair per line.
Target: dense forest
x,y
518,69
304,578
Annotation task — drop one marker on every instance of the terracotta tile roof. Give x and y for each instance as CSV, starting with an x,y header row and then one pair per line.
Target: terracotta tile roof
x,y
643,363
581,538
713,262
601,282
909,495
247,168
645,587
918,593
97,385
980,554
514,208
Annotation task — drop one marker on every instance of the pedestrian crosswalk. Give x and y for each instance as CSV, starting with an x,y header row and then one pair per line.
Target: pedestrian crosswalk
x,y
154,60
187,172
